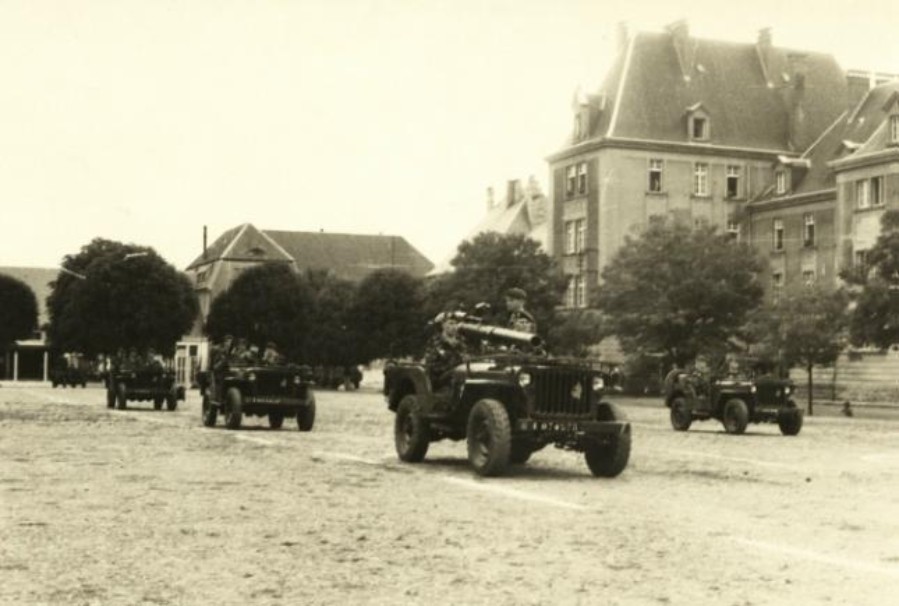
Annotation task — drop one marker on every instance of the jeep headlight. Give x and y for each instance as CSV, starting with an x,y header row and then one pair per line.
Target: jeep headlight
x,y
524,379
787,390
251,376
577,390
752,389
598,383
297,379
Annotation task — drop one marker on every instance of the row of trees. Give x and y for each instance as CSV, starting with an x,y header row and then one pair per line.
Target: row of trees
x,y
18,311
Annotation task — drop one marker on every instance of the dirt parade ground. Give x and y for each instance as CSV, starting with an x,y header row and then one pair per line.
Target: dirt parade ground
x,y
139,506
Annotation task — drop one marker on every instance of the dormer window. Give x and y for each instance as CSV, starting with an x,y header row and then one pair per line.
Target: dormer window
x,y
697,123
780,182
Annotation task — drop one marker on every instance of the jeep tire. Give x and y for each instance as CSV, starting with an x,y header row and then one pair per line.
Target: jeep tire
x,y
233,408
790,420
411,434
110,397
210,412
520,452
275,420
489,437
306,415
121,396
157,402
609,459
735,417
681,418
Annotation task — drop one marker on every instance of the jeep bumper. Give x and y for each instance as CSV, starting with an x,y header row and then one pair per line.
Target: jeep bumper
x,y
574,429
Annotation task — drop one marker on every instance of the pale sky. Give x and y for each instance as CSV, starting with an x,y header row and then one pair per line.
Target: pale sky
x,y
144,121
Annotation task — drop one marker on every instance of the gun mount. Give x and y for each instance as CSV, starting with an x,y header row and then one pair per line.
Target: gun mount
x,y
498,334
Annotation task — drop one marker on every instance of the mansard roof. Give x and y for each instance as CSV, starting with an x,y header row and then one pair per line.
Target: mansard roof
x,y
748,99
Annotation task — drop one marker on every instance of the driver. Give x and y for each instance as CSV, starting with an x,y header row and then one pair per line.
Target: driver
x,y
446,349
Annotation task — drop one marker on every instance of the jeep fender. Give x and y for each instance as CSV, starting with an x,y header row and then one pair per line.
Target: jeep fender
x,y
508,395
676,394
401,384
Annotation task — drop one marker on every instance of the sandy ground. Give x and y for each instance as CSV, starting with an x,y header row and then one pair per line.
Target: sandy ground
x,y
143,507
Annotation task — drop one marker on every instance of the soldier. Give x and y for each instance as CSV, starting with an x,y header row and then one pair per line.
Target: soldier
x,y
240,353
271,356
519,318
446,350
219,354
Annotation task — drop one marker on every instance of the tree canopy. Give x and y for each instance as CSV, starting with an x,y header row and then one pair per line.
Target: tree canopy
x,y
268,302
331,340
387,316
678,291
488,265
18,310
804,327
875,318
113,296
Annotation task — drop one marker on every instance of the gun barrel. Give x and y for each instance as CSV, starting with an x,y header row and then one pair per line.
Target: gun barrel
x,y
497,333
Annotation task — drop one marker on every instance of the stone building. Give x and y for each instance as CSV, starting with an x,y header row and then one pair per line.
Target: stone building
x,y
685,128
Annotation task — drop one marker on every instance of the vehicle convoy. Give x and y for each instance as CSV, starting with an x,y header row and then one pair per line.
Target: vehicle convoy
x,y
507,404
735,402
275,391
145,383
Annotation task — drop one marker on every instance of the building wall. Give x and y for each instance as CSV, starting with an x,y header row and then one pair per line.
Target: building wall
x,y
858,228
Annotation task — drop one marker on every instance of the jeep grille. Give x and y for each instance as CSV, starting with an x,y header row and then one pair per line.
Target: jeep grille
x,y
555,391
274,384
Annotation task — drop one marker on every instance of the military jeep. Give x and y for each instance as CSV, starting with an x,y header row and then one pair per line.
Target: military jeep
x,y
154,384
735,402
508,404
274,391
68,376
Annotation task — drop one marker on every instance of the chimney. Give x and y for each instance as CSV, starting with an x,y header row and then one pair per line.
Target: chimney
x,y
683,46
512,192
765,49
204,242
797,70
490,201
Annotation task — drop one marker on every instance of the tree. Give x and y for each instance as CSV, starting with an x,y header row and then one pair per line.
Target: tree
x,y
331,340
804,327
679,291
572,333
18,310
113,296
875,318
387,316
268,302
491,263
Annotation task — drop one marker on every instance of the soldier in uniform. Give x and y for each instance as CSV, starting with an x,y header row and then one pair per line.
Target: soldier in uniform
x,y
218,354
446,349
271,356
519,318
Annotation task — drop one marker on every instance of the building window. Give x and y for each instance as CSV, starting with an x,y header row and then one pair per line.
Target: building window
x,y
780,180
733,229
580,235
875,191
571,181
700,128
655,175
733,181
894,129
582,178
576,295
777,283
701,179
808,277
808,233
862,200
778,234
569,237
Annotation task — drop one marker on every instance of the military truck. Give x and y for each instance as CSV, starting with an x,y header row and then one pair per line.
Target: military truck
x,y
149,383
735,402
274,391
508,402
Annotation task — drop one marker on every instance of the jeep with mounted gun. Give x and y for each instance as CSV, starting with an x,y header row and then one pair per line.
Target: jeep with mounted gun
x,y
507,403
275,391
735,402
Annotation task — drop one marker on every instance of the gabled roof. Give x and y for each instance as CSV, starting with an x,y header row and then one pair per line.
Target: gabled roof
x,y
348,256
38,279
648,94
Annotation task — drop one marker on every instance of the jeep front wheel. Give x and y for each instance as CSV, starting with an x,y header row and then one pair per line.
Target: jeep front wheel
x,y
411,434
681,418
210,412
234,410
171,399
607,460
306,416
736,416
157,402
489,437
790,420
275,420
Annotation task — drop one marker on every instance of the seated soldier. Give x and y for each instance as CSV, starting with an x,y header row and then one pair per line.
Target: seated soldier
x,y
271,356
446,350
